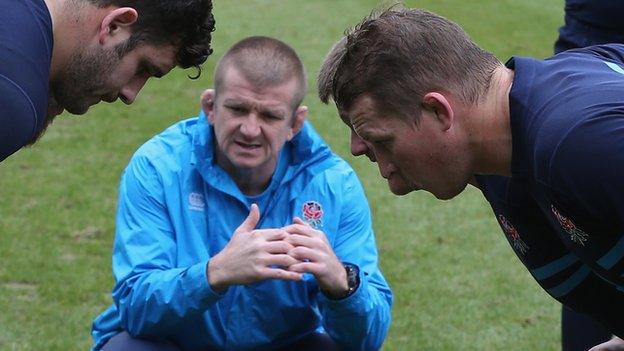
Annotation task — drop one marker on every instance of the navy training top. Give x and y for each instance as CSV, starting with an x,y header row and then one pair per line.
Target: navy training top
x,y
25,56
591,22
562,209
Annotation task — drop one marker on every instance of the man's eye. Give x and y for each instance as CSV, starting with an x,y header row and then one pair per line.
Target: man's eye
x,y
236,109
147,71
387,143
272,116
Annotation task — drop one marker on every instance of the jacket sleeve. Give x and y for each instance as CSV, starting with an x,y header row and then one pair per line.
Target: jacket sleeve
x,y
360,321
152,293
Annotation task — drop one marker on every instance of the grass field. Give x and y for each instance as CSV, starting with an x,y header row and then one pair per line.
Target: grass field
x,y
457,283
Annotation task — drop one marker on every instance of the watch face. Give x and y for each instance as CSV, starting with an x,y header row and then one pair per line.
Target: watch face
x,y
353,277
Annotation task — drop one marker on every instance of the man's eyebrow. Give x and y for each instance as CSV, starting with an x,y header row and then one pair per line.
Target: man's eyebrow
x,y
357,119
275,112
231,101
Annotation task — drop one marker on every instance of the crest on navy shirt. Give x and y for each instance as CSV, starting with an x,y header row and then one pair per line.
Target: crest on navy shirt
x,y
516,241
313,213
576,235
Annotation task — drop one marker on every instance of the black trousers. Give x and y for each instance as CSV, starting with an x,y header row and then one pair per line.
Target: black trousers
x,y
124,342
580,332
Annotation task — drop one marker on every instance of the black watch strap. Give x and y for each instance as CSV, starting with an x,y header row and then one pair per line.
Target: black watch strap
x,y
353,278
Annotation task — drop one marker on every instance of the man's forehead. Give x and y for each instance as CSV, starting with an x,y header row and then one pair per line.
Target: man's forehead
x,y
234,95
236,86
363,107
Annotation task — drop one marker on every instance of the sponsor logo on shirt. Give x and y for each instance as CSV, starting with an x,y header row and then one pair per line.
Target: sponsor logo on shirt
x,y
313,213
196,202
576,235
516,242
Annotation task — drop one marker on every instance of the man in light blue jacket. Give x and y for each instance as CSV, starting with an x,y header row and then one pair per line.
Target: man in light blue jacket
x,y
241,230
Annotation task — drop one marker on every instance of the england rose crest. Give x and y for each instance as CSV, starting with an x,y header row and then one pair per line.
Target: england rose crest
x,y
576,235
313,213
516,242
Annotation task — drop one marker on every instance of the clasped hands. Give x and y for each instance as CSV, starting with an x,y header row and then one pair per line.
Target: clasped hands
x,y
285,253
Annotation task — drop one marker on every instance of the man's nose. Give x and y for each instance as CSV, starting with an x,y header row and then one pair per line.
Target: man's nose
x,y
129,92
359,147
251,126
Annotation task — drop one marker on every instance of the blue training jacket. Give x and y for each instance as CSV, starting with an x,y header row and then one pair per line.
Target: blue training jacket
x,y
177,209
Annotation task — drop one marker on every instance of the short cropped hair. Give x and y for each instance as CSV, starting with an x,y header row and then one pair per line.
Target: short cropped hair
x,y
265,62
397,55
187,24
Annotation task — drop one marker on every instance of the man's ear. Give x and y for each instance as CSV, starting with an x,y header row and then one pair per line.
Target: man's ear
x,y
441,108
116,25
300,116
207,100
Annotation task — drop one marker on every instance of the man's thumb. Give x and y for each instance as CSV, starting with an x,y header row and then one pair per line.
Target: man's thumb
x,y
251,221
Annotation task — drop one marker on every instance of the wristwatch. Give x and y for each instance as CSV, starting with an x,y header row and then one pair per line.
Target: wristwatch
x,y
353,278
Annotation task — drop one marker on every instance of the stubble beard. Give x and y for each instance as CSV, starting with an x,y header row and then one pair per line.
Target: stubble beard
x,y
85,72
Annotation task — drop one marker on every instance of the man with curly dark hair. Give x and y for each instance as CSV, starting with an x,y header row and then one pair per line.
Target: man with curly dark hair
x,y
71,54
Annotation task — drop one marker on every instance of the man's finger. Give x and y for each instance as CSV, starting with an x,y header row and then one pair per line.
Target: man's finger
x,y
278,273
271,234
302,240
300,229
298,220
281,260
278,247
303,253
251,221
305,267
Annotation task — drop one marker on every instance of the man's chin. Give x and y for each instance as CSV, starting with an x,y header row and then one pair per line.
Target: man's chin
x,y
449,193
77,110
54,111
400,190
398,186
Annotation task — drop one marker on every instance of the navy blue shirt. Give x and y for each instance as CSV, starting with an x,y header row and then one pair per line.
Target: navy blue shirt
x,y
25,57
563,208
591,22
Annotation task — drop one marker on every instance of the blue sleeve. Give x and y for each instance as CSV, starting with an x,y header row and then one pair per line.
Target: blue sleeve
x,y
152,293
360,321
17,118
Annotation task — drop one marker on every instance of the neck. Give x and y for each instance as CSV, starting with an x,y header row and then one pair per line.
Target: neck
x,y
490,131
250,181
73,23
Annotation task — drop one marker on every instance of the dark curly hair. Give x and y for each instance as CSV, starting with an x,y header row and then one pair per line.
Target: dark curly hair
x,y
187,24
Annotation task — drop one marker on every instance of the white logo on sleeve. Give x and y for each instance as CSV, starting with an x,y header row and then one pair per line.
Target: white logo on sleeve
x,y
614,67
196,202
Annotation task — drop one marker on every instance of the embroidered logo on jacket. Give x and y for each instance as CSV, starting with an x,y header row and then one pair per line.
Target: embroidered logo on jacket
x,y
516,242
576,235
196,202
313,213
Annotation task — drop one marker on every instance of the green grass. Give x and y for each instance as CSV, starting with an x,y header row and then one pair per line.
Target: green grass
x,y
457,283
